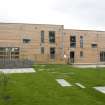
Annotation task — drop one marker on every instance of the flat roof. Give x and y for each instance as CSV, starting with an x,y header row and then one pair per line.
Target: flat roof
x,y
52,25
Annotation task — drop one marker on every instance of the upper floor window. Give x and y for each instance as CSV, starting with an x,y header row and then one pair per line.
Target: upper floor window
x,y
42,36
81,41
73,41
94,45
81,54
26,40
52,36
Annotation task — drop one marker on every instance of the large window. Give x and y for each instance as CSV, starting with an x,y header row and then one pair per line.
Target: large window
x,y
9,53
81,41
102,56
52,36
73,41
52,53
42,36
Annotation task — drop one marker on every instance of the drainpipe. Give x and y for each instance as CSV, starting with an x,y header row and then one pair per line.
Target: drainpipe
x,y
62,44
97,52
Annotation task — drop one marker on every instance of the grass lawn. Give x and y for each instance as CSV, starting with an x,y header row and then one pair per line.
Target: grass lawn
x,y
41,88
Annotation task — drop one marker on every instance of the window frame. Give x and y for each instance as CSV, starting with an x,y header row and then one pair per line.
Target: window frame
x,y
42,36
81,54
53,55
94,45
102,56
72,43
52,39
26,40
81,41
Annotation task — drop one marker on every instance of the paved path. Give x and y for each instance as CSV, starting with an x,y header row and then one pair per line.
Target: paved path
x,y
100,89
63,82
87,66
80,85
18,70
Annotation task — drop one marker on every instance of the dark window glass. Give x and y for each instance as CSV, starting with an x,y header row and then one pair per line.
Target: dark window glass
x,y
2,49
94,45
73,41
26,40
42,36
52,37
52,53
81,41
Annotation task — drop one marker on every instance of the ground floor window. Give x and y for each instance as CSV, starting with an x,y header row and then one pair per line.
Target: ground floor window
x,y
52,53
102,56
42,50
81,54
9,53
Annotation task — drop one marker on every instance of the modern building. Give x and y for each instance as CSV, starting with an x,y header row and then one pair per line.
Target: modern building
x,y
45,43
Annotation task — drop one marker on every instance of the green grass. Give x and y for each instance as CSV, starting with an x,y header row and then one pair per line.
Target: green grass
x,y
41,88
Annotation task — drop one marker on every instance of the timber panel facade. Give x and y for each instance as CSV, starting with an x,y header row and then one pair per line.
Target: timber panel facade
x,y
45,43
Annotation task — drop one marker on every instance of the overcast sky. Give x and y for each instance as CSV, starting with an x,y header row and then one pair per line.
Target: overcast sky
x,y
74,14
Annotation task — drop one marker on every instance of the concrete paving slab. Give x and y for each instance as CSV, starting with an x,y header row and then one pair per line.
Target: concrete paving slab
x,y
100,89
88,65
18,70
63,82
80,85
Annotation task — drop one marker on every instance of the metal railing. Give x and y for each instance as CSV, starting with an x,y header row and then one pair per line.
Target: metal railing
x,y
16,63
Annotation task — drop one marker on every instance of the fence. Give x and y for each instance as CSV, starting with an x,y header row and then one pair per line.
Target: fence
x,y
16,63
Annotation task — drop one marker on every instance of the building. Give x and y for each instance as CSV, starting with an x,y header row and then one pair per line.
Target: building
x,y
45,43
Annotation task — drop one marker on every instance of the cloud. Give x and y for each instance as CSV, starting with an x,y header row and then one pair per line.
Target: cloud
x,y
72,13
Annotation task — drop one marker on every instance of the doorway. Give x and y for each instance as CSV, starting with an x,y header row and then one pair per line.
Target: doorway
x,y
72,56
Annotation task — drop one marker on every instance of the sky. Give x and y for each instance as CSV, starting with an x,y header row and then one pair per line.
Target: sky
x,y
73,14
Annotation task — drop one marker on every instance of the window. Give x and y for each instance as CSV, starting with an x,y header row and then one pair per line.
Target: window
x,y
81,41
73,41
52,53
42,50
94,45
9,53
26,40
81,54
52,37
102,56
2,49
42,36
